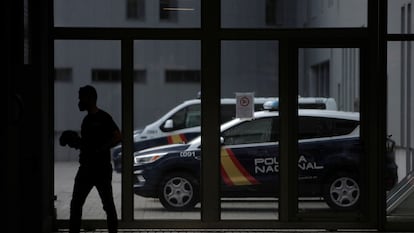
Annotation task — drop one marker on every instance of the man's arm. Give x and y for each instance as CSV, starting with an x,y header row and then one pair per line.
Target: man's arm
x,y
116,139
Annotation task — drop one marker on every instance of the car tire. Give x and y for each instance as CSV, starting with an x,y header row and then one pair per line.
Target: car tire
x,y
179,191
342,191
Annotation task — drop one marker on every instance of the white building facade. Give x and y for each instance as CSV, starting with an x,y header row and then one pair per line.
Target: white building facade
x,y
168,72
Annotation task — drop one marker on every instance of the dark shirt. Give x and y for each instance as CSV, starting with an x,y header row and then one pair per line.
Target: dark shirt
x,y
97,131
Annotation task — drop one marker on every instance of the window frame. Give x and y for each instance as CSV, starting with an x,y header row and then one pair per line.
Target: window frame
x,y
372,38
406,35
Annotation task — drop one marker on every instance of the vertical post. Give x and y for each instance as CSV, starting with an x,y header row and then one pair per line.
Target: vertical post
x,y
288,151
374,111
47,83
403,85
127,58
408,68
210,103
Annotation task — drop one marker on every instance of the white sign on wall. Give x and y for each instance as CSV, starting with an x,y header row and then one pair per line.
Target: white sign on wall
x,y
244,105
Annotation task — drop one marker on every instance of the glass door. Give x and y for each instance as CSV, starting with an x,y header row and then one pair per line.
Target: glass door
x,y
327,160
331,162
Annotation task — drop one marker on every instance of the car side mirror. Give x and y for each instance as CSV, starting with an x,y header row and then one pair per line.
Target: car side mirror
x,y
221,140
169,124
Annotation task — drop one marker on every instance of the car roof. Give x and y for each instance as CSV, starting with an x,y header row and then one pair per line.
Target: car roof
x,y
302,112
257,100
314,113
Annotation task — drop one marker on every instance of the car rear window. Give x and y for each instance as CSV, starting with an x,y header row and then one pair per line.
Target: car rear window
x,y
343,126
318,127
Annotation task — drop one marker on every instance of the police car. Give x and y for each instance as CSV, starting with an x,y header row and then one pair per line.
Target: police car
x,y
330,154
182,123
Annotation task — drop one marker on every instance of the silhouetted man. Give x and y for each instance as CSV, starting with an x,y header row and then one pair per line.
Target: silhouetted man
x,y
98,134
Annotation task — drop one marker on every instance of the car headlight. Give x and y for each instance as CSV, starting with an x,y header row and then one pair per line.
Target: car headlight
x,y
145,159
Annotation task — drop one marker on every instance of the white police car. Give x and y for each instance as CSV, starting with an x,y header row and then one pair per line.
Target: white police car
x,y
330,155
182,123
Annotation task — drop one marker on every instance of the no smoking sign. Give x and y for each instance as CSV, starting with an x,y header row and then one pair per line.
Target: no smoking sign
x,y
244,105
244,101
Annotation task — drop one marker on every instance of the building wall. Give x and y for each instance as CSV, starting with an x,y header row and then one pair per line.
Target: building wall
x,y
247,69
107,13
400,79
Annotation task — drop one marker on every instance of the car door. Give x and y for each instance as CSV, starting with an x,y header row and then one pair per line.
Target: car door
x,y
324,144
181,127
313,139
249,158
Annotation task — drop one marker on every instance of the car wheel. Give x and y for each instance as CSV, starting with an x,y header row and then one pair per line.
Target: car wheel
x,y
178,191
342,191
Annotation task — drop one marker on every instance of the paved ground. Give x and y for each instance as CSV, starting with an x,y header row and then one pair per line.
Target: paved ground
x,y
150,208
64,177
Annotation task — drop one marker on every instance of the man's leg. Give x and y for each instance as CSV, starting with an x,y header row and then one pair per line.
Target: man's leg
x,y
105,192
81,189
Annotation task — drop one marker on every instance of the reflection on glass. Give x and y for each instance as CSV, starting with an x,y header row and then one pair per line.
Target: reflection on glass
x,y
293,14
127,13
167,113
400,198
249,153
329,160
78,63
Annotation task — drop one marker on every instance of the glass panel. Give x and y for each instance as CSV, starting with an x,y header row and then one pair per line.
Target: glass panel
x,y
400,198
167,112
127,13
400,16
249,154
75,62
293,13
329,160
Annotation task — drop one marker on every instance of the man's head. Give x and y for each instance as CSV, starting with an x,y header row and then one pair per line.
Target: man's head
x,y
87,98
